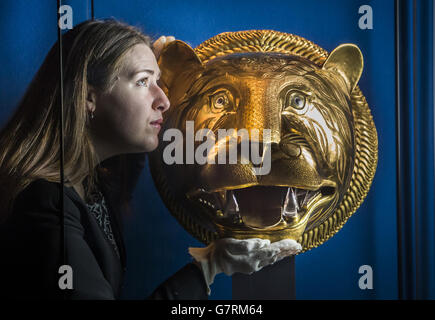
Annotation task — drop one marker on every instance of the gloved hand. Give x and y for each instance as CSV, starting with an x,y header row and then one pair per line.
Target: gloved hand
x,y
245,256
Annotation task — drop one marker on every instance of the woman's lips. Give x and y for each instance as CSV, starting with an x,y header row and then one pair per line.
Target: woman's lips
x,y
157,123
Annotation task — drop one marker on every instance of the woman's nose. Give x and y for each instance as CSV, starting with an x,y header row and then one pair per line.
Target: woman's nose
x,y
161,102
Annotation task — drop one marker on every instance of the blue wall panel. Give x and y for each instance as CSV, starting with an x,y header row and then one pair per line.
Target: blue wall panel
x,y
415,138
28,30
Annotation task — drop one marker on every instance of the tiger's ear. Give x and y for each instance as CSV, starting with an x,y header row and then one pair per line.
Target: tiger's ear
x,y
176,57
346,60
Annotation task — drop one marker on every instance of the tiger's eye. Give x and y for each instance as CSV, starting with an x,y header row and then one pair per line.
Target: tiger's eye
x,y
220,100
296,100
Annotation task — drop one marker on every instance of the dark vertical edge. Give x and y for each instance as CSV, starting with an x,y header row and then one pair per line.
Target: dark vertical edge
x,y
398,151
62,178
424,129
293,277
415,149
429,74
92,10
433,103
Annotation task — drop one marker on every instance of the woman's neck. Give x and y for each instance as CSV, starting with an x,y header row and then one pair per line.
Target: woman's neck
x,y
103,152
103,149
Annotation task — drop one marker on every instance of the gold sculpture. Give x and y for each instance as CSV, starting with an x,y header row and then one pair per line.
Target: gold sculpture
x,y
322,141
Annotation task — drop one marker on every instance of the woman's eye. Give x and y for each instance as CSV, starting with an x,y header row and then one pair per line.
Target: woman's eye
x,y
220,100
296,100
142,82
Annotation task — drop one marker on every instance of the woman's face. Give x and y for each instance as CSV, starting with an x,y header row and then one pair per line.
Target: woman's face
x,y
127,118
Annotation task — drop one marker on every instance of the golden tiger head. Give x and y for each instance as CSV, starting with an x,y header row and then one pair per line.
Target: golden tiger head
x,y
270,96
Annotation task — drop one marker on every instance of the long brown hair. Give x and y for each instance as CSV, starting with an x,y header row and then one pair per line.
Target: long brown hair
x,y
29,142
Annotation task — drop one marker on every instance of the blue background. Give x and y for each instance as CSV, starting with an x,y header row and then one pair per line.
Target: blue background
x,y
156,244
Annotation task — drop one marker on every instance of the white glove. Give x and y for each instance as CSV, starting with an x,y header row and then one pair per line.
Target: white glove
x,y
245,256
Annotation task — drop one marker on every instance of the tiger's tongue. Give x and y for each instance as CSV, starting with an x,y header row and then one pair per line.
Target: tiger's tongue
x,y
260,206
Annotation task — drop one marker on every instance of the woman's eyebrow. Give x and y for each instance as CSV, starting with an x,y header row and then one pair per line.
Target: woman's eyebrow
x,y
151,72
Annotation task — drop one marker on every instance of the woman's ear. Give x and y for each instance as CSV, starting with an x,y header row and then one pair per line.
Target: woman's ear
x,y
91,100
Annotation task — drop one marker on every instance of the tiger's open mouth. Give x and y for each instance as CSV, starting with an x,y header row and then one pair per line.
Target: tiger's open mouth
x,y
260,207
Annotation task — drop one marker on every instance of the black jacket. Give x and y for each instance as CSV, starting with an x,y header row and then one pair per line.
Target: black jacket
x,y
31,251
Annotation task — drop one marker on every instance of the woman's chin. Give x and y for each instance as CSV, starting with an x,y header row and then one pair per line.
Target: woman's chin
x,y
151,144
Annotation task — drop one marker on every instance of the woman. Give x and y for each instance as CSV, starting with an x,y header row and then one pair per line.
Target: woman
x,y
113,109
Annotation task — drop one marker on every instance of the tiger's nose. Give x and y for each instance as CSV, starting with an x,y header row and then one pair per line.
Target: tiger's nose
x,y
261,111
